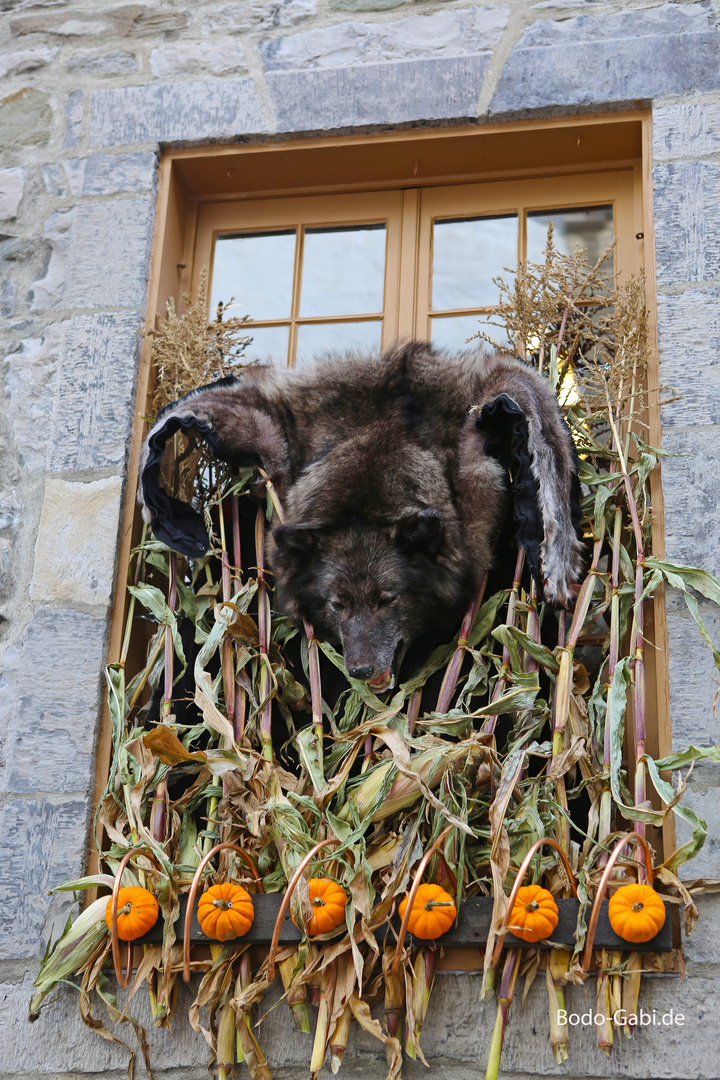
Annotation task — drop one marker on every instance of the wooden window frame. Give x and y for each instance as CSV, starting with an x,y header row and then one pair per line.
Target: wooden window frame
x,y
592,151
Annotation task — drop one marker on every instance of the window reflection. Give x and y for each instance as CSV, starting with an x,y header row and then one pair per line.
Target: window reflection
x,y
452,332
467,254
257,270
591,229
343,271
268,343
316,338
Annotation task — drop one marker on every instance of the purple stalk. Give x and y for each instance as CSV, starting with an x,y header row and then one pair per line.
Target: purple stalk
x,y
413,710
237,552
505,999
227,660
263,635
315,689
452,672
490,722
158,812
533,628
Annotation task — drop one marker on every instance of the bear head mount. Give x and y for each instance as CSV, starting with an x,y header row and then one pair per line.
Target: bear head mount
x,y
396,473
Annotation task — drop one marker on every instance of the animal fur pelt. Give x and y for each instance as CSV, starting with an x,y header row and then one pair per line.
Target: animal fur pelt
x,y
396,472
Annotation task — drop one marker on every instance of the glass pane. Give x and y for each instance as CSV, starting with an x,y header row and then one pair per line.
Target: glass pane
x,y
467,255
591,229
268,343
316,338
256,270
453,332
343,271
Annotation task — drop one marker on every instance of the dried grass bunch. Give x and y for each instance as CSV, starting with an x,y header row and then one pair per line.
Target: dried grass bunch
x,y
524,740
187,351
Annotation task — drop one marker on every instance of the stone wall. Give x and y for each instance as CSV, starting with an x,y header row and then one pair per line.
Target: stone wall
x,y
91,90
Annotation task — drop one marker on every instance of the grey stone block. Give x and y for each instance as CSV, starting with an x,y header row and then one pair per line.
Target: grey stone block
x,y
703,946
198,58
366,5
7,300
12,184
47,290
49,702
25,118
441,34
178,111
44,844
99,256
113,63
70,394
673,49
29,376
123,21
97,369
691,487
693,680
52,179
405,92
75,548
106,174
703,796
15,63
687,221
73,118
689,347
255,15
686,129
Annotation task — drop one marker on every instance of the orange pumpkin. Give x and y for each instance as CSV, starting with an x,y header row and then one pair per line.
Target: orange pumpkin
x,y
534,915
328,903
137,912
433,912
225,911
636,912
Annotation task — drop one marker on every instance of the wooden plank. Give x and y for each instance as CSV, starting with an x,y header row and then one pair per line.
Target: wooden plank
x,y
471,928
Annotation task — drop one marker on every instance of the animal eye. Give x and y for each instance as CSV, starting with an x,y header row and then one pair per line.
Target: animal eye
x,y
386,598
337,606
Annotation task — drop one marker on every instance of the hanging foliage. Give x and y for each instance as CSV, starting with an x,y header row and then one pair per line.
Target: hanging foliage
x,y
228,729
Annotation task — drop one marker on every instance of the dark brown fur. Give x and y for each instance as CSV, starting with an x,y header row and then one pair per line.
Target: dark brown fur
x,y
392,501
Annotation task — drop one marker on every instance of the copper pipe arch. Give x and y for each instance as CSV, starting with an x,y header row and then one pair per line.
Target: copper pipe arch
x,y
505,924
597,903
193,891
286,902
124,980
413,893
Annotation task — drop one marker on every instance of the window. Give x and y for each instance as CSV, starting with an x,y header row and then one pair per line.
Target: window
x,y
336,272
359,241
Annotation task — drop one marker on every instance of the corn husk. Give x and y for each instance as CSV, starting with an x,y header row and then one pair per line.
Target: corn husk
x,y
296,995
558,963
72,952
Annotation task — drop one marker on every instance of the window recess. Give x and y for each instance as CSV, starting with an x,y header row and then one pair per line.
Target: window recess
x,y
357,241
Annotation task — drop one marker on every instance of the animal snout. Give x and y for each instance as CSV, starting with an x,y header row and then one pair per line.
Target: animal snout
x,y
360,672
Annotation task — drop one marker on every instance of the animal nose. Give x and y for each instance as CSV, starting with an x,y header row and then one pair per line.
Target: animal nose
x,y
360,672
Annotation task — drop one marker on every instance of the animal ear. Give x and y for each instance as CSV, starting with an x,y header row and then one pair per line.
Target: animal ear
x,y
522,428
228,416
294,541
420,532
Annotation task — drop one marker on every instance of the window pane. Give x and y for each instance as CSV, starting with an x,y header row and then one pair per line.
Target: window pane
x,y
591,229
467,255
268,343
258,271
454,331
343,271
316,338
